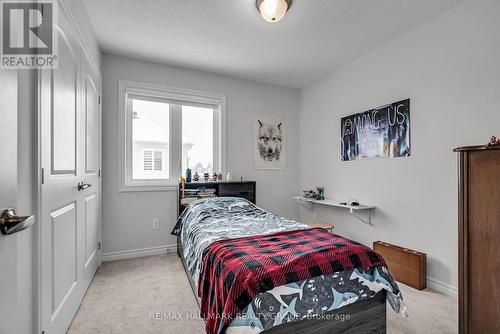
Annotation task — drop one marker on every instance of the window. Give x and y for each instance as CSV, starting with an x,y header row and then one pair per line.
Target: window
x,y
164,131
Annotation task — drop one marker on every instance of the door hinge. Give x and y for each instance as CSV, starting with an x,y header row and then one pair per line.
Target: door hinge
x,y
99,245
43,332
99,100
43,176
99,173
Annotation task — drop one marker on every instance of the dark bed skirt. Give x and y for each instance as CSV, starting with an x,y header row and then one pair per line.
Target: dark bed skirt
x,y
367,316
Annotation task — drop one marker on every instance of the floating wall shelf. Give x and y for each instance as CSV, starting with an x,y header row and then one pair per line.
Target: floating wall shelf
x,y
353,209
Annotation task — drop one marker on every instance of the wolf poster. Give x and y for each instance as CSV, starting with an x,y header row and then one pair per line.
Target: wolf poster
x,y
270,142
380,132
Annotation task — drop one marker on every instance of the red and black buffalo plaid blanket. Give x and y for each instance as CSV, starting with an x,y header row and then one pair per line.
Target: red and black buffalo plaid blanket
x,y
236,270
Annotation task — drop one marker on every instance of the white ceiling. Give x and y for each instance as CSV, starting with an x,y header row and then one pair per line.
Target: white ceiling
x,y
229,36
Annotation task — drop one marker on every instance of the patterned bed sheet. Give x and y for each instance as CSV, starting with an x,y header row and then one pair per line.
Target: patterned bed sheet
x,y
207,220
314,297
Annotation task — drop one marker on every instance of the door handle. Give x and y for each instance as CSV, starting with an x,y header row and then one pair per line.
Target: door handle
x,y
11,223
82,186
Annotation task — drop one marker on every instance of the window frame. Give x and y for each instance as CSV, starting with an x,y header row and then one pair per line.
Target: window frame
x,y
126,89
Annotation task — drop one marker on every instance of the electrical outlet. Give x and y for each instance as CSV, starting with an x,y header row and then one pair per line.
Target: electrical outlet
x,y
156,223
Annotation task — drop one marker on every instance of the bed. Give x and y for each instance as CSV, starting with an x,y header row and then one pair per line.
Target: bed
x,y
221,232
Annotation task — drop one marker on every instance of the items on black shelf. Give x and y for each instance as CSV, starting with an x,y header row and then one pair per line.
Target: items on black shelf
x,y
190,195
206,192
182,184
216,177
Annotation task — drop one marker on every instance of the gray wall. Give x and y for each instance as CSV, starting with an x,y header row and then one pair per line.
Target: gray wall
x,y
127,217
449,67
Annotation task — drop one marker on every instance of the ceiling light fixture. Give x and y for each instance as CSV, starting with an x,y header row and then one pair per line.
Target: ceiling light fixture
x,y
273,10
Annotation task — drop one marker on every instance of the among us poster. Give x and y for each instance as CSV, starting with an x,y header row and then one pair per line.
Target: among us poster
x,y
382,132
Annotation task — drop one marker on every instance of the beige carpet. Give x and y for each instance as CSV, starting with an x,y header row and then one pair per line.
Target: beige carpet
x,y
152,295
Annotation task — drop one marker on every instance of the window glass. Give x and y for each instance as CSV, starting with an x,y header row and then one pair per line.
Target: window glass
x,y
198,140
150,136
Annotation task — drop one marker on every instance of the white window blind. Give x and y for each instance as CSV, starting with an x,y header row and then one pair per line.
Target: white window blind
x,y
148,160
158,160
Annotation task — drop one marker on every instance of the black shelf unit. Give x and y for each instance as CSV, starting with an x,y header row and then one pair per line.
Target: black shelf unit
x,y
244,189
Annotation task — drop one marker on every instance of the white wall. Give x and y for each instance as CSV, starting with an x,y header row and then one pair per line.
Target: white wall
x,y
127,217
450,69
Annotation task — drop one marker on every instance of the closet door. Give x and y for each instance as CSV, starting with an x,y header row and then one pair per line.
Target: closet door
x,y
91,171
70,152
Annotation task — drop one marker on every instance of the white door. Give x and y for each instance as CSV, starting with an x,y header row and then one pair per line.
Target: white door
x,y
8,198
70,156
91,171
18,294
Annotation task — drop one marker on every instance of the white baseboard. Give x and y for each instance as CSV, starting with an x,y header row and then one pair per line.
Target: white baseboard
x,y
442,287
133,253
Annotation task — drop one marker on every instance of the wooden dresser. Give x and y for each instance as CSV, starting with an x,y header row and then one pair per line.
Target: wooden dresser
x,y
479,239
